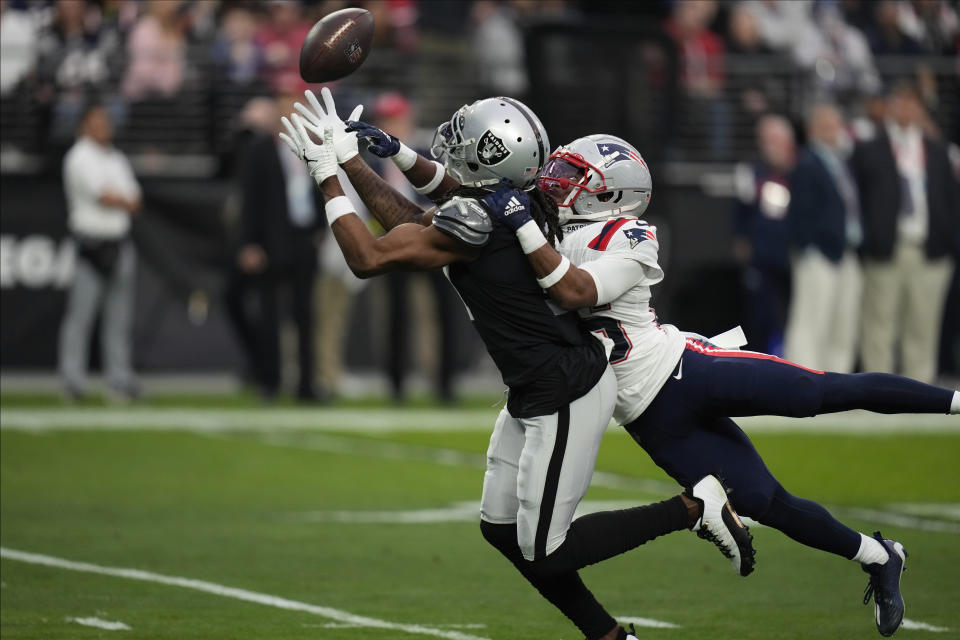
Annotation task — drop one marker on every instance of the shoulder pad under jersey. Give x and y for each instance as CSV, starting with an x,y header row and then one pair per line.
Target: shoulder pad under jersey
x,y
465,219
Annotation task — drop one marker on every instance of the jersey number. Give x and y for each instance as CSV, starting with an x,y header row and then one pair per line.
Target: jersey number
x,y
614,330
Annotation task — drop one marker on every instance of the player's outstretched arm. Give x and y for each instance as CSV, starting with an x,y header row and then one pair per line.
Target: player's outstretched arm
x,y
406,246
387,205
569,286
428,177
592,283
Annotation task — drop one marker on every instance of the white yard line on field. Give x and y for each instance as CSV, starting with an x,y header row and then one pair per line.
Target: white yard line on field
x,y
336,615
101,624
923,626
647,622
207,419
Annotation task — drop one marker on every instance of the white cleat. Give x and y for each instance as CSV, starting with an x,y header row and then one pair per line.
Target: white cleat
x,y
720,525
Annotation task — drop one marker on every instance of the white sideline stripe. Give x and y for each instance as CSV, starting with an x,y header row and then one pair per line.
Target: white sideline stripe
x,y
647,622
898,519
923,626
389,420
101,624
462,512
945,510
451,457
467,511
231,592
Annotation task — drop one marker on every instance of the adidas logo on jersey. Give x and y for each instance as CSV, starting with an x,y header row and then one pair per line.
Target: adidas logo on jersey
x,y
513,206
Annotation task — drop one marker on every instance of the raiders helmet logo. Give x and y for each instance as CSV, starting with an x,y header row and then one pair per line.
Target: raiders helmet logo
x,y
491,150
353,52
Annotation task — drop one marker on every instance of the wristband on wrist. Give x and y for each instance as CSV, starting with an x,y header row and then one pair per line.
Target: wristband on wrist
x,y
435,182
554,276
337,208
530,236
405,158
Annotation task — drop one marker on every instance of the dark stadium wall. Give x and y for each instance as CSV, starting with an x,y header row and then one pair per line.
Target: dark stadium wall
x,y
36,264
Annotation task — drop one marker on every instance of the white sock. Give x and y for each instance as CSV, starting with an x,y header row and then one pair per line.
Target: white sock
x,y
871,552
955,405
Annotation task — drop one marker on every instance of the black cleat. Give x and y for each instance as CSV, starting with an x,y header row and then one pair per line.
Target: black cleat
x,y
884,586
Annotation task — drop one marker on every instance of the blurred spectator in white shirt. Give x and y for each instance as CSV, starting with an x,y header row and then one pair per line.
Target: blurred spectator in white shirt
x,y
102,195
18,46
933,23
911,208
837,57
886,36
498,42
781,21
157,52
824,223
76,57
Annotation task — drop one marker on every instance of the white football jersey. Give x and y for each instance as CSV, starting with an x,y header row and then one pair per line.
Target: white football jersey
x,y
621,255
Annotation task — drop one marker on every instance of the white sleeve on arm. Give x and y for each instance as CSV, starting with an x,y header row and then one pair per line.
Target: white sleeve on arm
x,y
629,259
614,276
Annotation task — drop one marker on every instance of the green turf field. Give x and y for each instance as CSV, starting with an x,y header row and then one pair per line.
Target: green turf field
x,y
306,523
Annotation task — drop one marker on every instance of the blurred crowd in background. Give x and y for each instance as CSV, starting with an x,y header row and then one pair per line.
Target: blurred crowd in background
x,y
830,127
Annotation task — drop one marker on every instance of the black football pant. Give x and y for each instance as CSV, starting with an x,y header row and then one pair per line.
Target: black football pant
x,y
590,539
687,429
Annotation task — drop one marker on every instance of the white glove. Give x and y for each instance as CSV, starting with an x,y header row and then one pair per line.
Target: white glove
x,y
345,142
321,159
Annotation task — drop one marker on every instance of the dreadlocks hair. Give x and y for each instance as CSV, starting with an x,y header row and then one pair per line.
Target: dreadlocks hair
x,y
543,209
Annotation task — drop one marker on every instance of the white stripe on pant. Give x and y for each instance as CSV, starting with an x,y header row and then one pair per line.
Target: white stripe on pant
x,y
516,484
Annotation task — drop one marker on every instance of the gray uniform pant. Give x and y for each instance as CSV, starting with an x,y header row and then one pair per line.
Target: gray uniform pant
x,y
90,292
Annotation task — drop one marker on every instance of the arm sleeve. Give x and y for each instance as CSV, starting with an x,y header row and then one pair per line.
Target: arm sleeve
x,y
614,275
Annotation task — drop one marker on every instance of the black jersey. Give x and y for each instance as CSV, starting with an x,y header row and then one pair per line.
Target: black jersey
x,y
545,357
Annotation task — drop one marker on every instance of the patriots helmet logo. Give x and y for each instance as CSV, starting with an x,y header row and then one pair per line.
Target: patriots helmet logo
x,y
637,235
614,152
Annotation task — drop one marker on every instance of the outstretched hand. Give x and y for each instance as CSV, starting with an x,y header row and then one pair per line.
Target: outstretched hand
x,y
321,159
379,142
509,206
323,116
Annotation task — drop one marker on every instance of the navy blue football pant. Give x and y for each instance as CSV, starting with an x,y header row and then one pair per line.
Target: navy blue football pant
x,y
687,429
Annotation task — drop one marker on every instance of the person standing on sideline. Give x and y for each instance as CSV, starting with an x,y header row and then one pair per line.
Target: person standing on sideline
x,y
761,239
911,220
102,197
824,223
281,217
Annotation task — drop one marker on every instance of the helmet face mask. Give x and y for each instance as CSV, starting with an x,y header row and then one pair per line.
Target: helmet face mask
x,y
492,142
595,178
567,175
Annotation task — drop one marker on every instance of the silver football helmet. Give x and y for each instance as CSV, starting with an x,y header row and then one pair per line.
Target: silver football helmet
x,y
597,177
492,140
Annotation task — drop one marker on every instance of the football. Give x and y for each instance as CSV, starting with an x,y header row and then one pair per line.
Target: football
x,y
337,45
